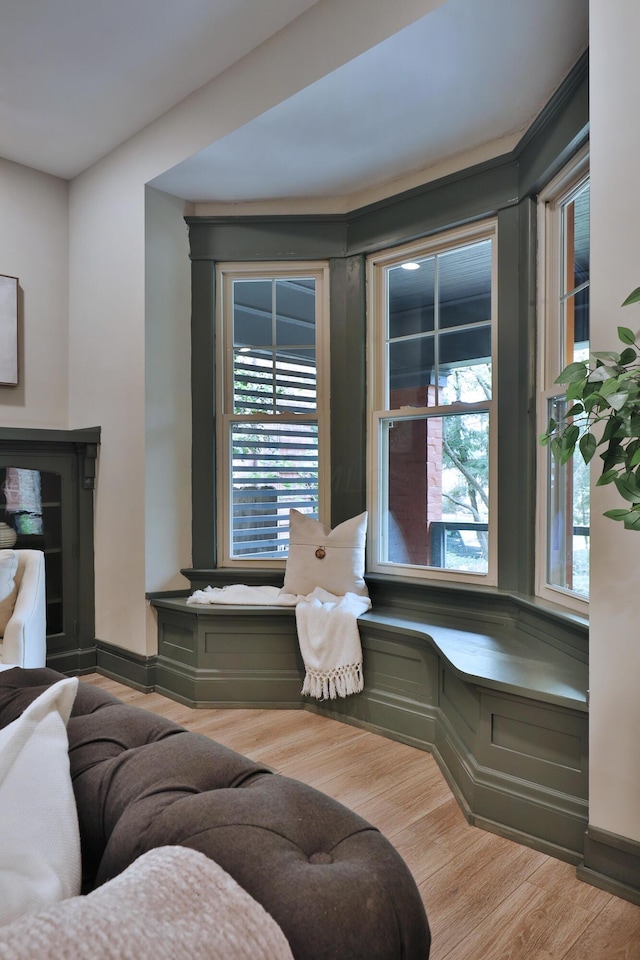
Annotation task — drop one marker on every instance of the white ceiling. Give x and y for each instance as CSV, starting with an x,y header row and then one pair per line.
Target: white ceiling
x,y
77,78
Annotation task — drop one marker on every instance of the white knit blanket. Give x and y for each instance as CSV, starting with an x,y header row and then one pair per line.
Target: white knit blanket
x,y
172,903
327,632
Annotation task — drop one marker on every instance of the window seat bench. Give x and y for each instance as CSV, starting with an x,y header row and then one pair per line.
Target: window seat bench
x,y
498,658
501,704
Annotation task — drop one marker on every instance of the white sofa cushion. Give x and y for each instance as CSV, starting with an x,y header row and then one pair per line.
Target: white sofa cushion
x,y
39,835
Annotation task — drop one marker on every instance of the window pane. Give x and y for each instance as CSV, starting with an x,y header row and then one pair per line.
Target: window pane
x,y
576,274
295,312
567,517
411,373
462,380
268,381
252,313
274,312
449,294
464,285
273,468
436,491
577,214
411,301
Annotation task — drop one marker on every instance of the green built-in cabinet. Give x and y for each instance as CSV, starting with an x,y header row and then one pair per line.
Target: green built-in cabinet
x,y
55,515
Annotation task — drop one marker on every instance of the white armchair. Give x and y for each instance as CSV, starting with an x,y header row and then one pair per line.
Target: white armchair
x,y
24,643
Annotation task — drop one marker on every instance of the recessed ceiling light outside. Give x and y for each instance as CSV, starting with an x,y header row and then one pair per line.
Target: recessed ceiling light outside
x,y
410,265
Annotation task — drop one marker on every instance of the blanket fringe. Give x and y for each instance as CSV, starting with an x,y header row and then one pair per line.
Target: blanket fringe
x,y
339,682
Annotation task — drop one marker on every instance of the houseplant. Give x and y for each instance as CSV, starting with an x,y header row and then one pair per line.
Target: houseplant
x,y
605,413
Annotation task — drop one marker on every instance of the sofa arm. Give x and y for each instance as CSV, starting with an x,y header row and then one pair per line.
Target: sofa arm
x,y
25,637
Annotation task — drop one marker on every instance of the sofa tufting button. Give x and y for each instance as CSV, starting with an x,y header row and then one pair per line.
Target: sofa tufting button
x,y
320,858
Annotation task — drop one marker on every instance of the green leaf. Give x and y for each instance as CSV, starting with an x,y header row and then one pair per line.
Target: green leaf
x,y
586,386
627,356
612,426
574,410
600,374
606,355
618,400
632,447
576,390
594,402
607,477
612,385
633,297
632,521
588,446
613,454
570,436
628,488
616,514
635,458
575,371
624,334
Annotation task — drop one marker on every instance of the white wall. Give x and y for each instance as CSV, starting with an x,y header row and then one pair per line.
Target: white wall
x,y
34,246
167,403
615,553
107,274
106,385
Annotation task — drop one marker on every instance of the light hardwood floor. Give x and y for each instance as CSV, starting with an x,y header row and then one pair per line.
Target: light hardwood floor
x,y
487,898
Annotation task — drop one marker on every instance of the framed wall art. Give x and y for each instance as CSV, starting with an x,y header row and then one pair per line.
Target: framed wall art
x,y
8,331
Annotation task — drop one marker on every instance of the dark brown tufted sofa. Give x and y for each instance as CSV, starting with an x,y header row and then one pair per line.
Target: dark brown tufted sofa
x,y
334,884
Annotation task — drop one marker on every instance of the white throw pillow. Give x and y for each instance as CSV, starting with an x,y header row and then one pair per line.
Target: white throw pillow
x,y
39,835
8,567
320,557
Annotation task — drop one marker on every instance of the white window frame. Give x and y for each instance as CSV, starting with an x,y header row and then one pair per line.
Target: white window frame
x,y
226,273
376,320
550,356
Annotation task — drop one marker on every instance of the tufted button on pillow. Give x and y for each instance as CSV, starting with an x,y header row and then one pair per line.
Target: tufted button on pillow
x,y
320,858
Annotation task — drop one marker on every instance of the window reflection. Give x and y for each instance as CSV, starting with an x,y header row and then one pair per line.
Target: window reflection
x,y
31,519
23,500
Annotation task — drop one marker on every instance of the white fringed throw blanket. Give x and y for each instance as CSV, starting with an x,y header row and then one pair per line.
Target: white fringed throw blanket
x,y
327,632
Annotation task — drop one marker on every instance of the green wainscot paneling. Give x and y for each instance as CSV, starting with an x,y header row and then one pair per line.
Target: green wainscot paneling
x,y
518,767
400,696
218,656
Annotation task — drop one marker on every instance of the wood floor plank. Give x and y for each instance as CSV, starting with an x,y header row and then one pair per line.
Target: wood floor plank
x,y
487,898
614,934
530,924
426,860
396,810
469,888
559,879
